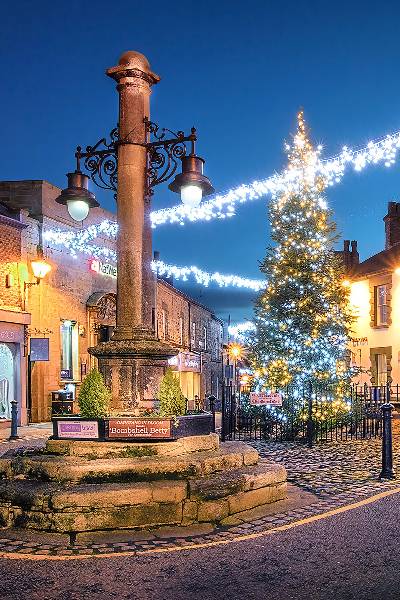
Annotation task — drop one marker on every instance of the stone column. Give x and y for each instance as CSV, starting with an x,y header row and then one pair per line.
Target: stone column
x,y
134,361
135,284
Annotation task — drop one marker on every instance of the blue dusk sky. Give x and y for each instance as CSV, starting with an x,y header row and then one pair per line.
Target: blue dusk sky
x,y
236,70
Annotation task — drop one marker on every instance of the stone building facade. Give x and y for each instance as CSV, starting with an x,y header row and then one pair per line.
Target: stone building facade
x,y
74,306
14,320
375,299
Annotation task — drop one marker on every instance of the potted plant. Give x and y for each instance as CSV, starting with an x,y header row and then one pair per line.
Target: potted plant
x,y
173,404
93,400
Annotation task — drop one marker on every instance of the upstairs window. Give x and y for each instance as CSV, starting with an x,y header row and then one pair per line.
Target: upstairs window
x,y
181,325
381,305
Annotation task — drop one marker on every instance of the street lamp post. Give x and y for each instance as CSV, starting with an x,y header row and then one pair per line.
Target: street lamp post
x,y
138,157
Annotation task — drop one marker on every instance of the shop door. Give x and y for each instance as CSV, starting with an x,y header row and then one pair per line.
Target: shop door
x,y
7,380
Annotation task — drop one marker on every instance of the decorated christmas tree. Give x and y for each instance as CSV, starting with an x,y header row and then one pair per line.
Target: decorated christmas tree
x,y
302,317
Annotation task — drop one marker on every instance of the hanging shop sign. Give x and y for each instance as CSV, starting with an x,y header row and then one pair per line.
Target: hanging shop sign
x,y
136,428
186,361
39,349
11,332
102,268
264,398
359,341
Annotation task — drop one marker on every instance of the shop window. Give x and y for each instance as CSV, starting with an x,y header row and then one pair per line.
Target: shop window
x,y
105,333
69,349
381,305
6,381
164,324
381,369
181,329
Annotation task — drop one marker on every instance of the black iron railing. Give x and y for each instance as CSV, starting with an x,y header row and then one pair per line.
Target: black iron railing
x,y
310,414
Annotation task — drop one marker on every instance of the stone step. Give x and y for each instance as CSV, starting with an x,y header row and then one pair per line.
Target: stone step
x,y
231,455
94,449
88,507
219,485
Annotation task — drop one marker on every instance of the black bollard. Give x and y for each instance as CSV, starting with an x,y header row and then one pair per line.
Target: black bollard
x,y
14,420
211,400
387,449
310,422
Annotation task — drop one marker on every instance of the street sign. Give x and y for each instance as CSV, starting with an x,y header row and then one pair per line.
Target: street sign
x,y
264,398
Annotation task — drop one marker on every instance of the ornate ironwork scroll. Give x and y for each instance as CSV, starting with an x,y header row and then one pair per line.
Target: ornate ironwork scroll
x,y
101,161
163,154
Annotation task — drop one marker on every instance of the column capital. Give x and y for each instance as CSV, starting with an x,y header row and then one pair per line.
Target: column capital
x,y
132,65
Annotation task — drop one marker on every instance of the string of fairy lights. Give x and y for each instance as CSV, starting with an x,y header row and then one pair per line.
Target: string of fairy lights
x,y
221,206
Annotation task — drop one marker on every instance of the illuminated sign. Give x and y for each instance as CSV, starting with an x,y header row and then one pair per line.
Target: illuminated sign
x,y
186,361
102,268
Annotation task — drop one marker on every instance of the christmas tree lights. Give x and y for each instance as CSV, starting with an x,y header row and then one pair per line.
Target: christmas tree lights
x,y
302,318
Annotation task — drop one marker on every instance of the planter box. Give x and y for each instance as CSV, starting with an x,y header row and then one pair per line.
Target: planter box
x,y
132,429
188,425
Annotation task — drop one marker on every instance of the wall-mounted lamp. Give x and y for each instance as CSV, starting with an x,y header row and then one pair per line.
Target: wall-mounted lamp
x,y
40,269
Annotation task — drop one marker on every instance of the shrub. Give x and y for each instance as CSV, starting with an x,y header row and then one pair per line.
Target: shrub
x,y
172,400
94,397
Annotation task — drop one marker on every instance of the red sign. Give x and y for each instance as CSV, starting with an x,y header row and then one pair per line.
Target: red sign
x,y
262,398
136,428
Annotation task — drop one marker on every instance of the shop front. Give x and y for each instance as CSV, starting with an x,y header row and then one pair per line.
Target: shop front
x,y
187,368
13,365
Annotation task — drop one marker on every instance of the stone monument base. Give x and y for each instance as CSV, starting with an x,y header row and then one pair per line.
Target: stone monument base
x,y
133,369
86,486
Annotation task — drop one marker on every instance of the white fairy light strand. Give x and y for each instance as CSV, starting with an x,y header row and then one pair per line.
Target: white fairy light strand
x,y
332,169
80,243
240,331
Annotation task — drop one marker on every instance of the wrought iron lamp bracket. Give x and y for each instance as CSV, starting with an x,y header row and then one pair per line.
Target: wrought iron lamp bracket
x,y
163,153
101,161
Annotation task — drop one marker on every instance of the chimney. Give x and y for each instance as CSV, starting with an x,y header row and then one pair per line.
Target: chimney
x,y
170,279
392,225
350,257
355,257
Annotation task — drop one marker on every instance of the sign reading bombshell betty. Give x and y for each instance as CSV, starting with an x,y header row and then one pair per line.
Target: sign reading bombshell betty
x,y
139,428
261,398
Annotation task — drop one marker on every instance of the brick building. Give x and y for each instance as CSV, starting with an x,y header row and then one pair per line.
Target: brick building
x,y
74,306
14,320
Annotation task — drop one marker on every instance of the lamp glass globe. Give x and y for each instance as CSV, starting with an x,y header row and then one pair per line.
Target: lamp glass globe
x,y
78,209
191,195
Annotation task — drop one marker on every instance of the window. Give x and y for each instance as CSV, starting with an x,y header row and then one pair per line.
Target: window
x,y
69,349
181,330
381,369
164,324
205,337
193,334
381,305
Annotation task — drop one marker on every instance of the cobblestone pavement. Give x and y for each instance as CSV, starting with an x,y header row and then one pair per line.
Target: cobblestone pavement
x,y
332,468
336,474
31,437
